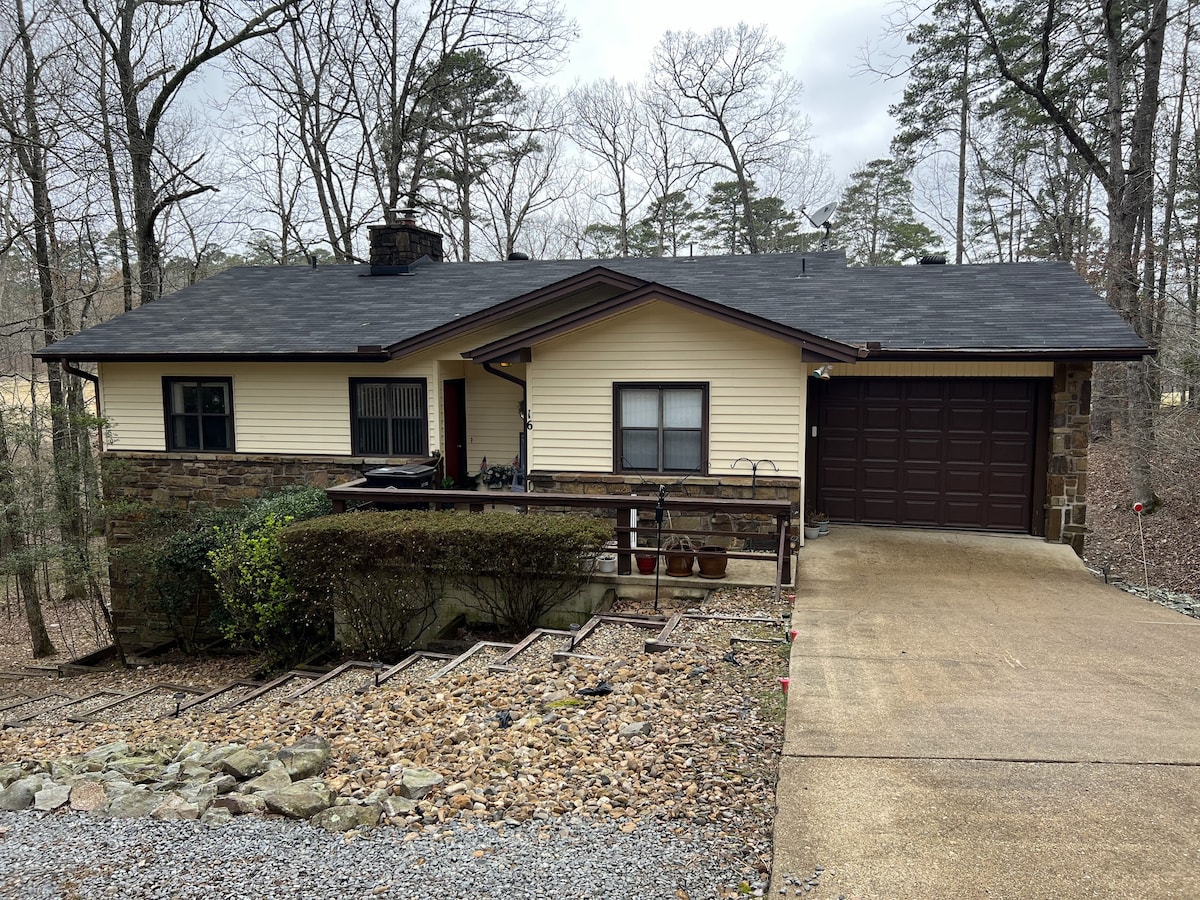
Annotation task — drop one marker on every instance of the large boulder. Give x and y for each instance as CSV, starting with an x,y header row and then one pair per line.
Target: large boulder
x,y
88,796
302,800
244,763
19,795
276,778
175,809
416,783
135,804
348,818
52,797
305,758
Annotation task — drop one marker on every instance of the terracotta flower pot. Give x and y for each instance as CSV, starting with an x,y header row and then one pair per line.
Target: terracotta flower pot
x,y
679,564
712,566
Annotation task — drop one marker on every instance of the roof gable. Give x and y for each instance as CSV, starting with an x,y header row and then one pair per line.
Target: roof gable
x,y
512,346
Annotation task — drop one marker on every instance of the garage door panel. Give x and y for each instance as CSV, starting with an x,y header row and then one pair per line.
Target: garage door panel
x,y
883,447
928,481
918,511
1011,452
928,451
923,419
1012,421
881,478
880,510
961,450
924,449
881,418
965,481
967,419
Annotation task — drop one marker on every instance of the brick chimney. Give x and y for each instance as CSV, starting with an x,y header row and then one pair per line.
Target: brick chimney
x,y
400,245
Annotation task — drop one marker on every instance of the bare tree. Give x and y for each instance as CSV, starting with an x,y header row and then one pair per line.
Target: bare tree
x,y
155,48
1120,154
607,126
728,89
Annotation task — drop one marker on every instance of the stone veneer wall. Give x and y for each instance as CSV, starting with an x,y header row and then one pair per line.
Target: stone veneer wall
x,y
194,481
1070,428
730,488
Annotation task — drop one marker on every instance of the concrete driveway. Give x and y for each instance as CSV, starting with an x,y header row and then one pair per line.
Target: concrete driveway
x,y
976,716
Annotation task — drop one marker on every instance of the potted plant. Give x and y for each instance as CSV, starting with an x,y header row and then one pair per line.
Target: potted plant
x,y
495,477
713,561
647,562
680,553
821,521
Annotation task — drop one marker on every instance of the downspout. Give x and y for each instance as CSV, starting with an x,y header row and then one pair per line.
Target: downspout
x,y
95,380
526,421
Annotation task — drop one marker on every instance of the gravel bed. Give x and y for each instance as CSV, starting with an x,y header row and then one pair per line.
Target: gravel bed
x,y
479,661
54,856
220,701
343,683
540,653
613,639
717,633
149,705
422,670
273,696
81,707
32,706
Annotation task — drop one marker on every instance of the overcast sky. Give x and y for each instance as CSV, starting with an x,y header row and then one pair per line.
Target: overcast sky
x,y
848,112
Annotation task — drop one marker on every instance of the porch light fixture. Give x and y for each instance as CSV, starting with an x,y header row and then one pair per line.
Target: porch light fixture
x,y
822,372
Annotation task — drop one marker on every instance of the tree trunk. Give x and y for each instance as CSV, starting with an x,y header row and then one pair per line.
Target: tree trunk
x,y
12,543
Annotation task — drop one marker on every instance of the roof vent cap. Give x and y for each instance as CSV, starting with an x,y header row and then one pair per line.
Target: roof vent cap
x,y
516,256
932,259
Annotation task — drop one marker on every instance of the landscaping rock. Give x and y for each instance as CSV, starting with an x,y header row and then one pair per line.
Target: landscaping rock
x,y
19,795
176,809
243,764
348,818
241,804
300,801
215,816
274,779
134,804
305,758
52,797
88,796
416,783
396,807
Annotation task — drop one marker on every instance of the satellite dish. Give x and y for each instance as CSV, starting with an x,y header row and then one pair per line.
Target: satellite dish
x,y
821,215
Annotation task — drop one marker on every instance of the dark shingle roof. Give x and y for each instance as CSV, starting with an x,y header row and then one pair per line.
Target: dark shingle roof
x,y
333,310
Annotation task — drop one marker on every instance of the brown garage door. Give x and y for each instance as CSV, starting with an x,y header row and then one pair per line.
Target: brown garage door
x,y
948,452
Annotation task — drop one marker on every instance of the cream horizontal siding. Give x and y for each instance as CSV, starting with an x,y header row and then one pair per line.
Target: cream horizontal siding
x,y
493,417
979,369
756,388
284,408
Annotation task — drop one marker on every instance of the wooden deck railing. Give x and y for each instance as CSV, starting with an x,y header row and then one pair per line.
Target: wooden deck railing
x,y
624,509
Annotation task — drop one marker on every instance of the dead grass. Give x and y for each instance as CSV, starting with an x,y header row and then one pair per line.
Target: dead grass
x,y
1171,533
70,625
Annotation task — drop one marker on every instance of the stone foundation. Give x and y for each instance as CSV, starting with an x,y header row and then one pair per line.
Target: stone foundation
x,y
194,481
1070,427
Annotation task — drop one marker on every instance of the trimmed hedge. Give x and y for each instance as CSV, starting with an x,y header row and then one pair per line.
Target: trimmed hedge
x,y
382,571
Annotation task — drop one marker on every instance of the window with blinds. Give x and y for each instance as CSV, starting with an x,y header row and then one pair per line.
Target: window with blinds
x,y
389,417
661,428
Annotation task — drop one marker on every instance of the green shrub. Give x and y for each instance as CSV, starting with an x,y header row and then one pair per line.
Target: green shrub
x,y
384,571
165,567
262,609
